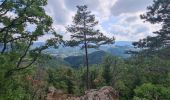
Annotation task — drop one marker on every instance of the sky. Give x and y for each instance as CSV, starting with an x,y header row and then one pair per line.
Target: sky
x,y
118,18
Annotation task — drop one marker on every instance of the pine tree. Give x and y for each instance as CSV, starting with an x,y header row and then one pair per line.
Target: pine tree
x,y
85,35
158,13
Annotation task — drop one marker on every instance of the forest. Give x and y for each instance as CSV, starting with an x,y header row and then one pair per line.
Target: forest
x,y
138,70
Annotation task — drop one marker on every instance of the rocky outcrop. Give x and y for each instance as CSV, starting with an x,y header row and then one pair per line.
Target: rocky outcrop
x,y
105,93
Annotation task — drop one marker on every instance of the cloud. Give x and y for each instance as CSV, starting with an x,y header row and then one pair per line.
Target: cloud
x,y
62,12
71,4
45,37
129,6
131,30
57,10
131,19
119,18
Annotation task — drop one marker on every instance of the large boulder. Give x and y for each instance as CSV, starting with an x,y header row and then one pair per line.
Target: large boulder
x,y
105,93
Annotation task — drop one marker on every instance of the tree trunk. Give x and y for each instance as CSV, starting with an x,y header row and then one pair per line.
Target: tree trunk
x,y
87,64
86,54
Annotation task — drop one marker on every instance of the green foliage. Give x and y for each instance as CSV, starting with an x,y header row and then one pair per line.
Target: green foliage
x,y
16,38
62,78
125,76
158,13
150,91
113,69
152,77
147,70
13,88
107,70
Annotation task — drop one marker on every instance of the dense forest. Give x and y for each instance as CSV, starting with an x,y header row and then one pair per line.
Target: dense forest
x,y
140,71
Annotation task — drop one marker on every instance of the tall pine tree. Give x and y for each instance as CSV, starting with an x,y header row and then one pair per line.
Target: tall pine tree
x,y
85,35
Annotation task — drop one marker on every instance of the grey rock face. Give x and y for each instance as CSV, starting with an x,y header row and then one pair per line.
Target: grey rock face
x,y
105,93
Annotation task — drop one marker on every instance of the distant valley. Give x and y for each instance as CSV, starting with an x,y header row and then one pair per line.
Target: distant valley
x,y
117,49
75,57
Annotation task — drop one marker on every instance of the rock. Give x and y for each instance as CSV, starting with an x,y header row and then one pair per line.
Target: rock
x,y
105,93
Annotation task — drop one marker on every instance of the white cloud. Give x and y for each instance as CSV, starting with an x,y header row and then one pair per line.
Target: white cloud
x,y
131,28
130,6
58,11
45,37
117,17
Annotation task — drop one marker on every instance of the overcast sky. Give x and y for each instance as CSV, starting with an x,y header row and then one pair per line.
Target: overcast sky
x,y
119,18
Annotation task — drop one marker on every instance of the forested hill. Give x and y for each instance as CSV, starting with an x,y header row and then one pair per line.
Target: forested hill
x,y
94,58
118,49
75,57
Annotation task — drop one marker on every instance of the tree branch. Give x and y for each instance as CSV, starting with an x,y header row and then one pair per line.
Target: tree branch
x,y
9,26
25,53
4,13
10,72
17,38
